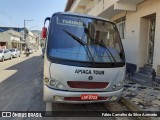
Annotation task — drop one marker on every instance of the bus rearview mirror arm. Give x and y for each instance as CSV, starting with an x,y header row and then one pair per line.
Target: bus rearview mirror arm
x,y
47,18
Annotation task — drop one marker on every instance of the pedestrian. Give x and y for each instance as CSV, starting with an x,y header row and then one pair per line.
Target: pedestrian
x,y
153,75
27,52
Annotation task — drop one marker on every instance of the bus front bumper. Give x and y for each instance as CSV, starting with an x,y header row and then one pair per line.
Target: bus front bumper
x,y
57,96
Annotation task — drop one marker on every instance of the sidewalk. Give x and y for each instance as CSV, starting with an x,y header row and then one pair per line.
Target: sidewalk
x,y
146,98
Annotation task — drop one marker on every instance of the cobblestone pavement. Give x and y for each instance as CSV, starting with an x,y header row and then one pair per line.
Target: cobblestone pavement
x,y
146,98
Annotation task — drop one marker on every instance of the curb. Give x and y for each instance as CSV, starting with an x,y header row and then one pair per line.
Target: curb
x,y
133,107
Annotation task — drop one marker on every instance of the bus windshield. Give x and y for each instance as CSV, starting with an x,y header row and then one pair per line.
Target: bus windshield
x,y
84,39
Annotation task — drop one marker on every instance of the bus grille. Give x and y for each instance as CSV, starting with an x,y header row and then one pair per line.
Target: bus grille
x,y
87,85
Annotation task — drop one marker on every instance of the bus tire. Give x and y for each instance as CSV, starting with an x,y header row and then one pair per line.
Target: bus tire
x,y
49,109
11,57
2,59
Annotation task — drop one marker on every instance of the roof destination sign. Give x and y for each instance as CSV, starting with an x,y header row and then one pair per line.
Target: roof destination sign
x,y
69,21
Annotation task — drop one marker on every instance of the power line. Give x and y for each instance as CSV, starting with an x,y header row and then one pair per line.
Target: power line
x,y
9,17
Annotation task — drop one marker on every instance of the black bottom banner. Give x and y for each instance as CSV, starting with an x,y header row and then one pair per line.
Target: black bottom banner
x,y
23,114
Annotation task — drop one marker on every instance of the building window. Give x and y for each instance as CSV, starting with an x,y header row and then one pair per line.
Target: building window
x,y
121,27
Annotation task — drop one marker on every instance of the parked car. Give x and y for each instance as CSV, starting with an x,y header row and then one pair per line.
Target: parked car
x,y
5,54
15,52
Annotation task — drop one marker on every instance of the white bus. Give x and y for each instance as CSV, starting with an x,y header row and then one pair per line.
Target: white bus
x,y
84,60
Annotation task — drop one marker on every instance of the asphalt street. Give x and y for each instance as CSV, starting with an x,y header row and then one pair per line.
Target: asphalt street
x,y
21,89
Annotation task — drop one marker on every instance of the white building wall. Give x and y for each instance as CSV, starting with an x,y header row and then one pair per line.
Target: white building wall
x,y
156,59
136,41
15,39
133,43
97,9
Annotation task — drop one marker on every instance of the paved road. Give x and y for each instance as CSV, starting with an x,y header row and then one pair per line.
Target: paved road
x,y
21,89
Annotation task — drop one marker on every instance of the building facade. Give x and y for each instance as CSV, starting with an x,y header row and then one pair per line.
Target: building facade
x,y
138,23
31,40
10,39
37,33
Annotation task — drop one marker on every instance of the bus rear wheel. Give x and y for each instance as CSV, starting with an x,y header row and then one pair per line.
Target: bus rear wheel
x,y
49,108
2,59
11,57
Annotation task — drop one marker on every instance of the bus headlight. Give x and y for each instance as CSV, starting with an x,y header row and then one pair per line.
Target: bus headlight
x,y
60,86
114,87
58,98
46,80
56,84
113,98
52,82
117,86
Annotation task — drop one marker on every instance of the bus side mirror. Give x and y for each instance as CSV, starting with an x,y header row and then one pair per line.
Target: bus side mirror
x,y
44,32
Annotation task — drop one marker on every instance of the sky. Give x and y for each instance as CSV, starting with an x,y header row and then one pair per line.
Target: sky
x,y
14,12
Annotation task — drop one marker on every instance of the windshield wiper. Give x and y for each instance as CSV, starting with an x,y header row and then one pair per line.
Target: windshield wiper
x,y
102,45
82,43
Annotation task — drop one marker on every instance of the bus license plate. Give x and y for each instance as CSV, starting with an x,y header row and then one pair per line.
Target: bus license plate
x,y
89,97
